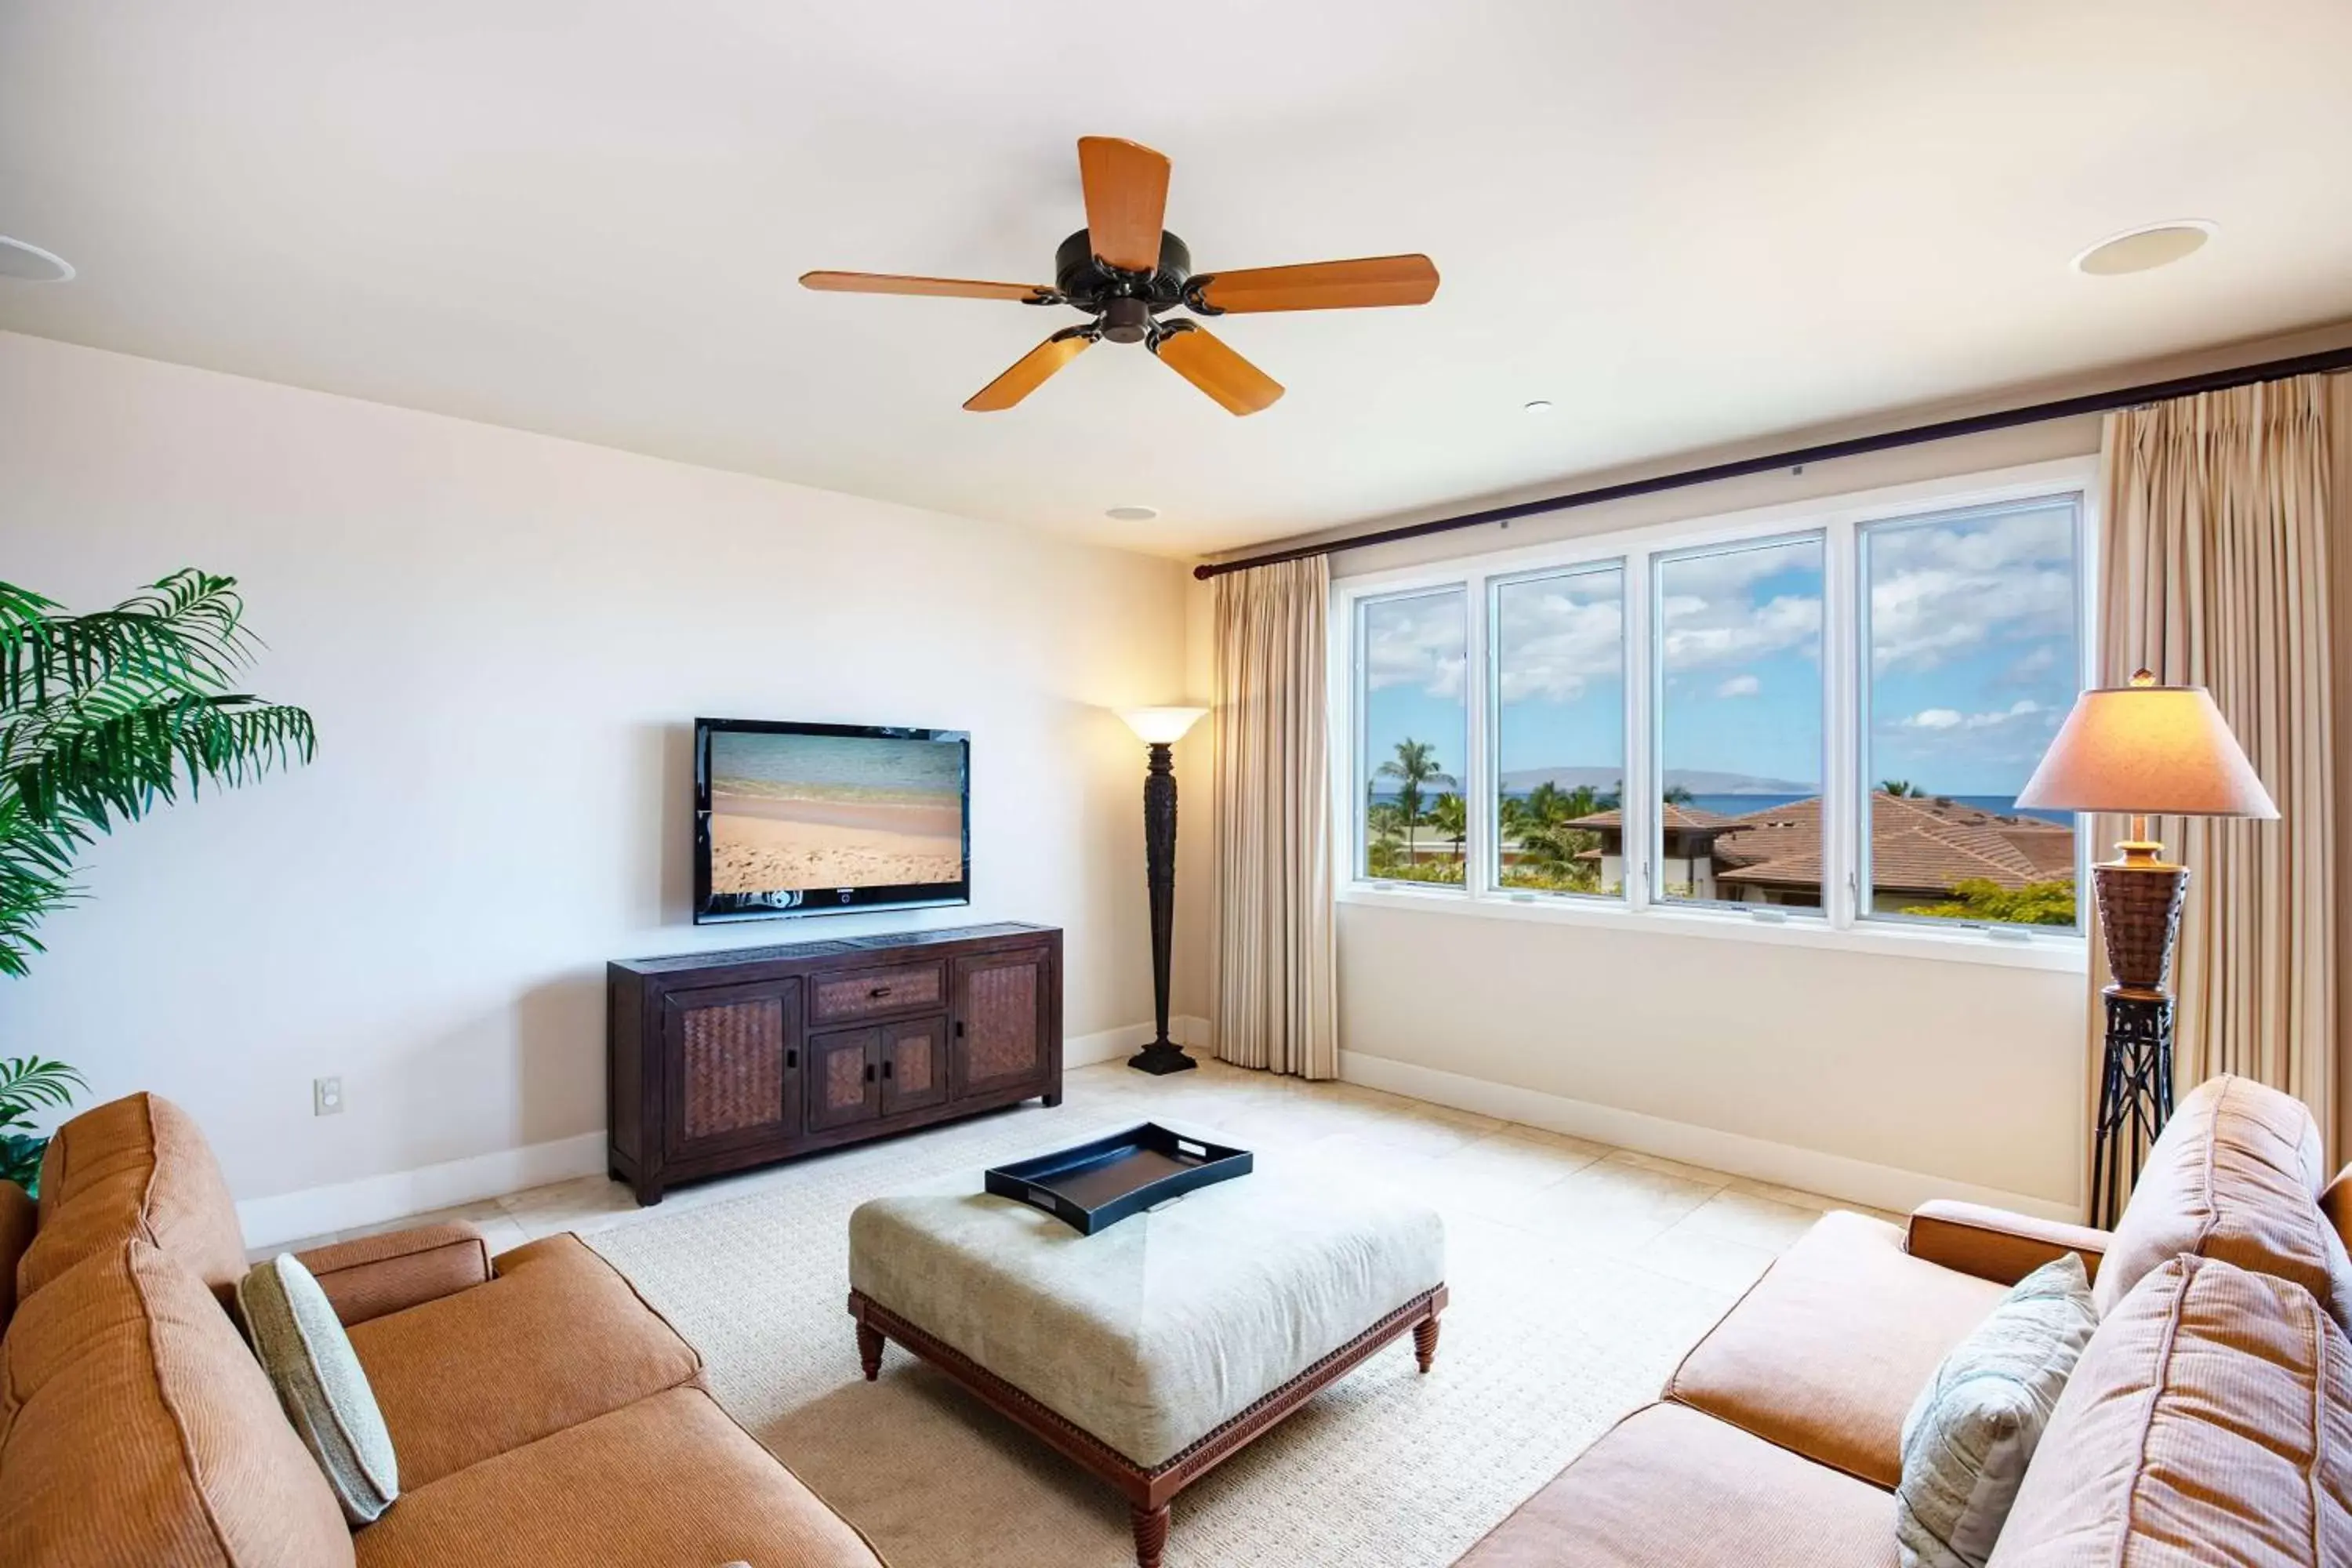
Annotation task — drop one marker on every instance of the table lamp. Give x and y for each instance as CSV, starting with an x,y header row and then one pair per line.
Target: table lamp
x,y
1160,729
2141,750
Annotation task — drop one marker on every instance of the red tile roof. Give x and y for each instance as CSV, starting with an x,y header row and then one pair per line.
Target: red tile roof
x,y
1916,846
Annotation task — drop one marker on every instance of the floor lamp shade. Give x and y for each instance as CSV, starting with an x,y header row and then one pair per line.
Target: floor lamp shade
x,y
2147,750
2143,750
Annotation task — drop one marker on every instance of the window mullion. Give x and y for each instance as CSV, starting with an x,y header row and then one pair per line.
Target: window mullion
x,y
1477,770
1638,819
1843,822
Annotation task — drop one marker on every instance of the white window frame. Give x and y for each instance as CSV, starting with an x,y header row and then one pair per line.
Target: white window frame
x,y
1839,519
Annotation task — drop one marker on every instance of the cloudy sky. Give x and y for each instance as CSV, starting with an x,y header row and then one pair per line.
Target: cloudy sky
x,y
1971,648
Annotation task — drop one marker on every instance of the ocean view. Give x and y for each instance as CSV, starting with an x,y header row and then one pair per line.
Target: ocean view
x,y
1742,805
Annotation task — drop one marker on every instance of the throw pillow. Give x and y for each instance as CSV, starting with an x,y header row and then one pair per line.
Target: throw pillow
x,y
1973,1429
319,1379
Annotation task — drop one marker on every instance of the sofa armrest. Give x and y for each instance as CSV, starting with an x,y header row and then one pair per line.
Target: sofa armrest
x,y
376,1275
1995,1243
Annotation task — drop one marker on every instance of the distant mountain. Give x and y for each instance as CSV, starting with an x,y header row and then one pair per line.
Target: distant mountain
x,y
1697,781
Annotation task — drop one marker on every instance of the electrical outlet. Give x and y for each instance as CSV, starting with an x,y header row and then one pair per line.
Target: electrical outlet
x,y
326,1096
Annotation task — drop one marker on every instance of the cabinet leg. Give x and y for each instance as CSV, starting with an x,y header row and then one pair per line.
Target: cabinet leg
x,y
869,1352
1053,1098
1425,1342
648,1190
1151,1534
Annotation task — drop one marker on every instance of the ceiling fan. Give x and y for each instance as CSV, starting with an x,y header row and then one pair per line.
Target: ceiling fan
x,y
1123,270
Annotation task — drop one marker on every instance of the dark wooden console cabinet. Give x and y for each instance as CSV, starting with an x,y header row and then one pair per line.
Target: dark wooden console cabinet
x,y
717,1061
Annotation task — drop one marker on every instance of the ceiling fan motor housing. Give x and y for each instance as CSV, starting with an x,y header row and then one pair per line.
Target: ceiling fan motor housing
x,y
1125,301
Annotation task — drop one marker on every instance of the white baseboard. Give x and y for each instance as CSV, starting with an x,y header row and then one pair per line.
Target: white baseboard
x,y
1112,1045
372,1200
1833,1175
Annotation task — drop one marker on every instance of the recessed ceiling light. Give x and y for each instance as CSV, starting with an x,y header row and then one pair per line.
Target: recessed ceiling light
x,y
31,264
1132,513
1540,406
2145,248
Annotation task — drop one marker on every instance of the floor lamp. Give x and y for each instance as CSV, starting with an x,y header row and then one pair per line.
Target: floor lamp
x,y
2142,750
1160,729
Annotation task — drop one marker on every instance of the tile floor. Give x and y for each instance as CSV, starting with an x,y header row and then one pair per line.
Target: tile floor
x,y
1699,1226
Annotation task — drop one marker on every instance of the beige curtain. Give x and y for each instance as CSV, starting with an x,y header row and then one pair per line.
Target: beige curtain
x,y
2217,572
1278,1002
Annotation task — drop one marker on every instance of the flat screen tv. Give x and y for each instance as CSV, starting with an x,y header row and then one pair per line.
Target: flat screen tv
x,y
812,819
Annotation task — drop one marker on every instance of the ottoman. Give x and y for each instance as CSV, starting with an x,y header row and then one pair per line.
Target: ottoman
x,y
1150,1351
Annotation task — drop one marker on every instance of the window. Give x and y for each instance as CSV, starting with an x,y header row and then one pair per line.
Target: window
x,y
1816,718
1972,657
1414,736
1560,729
1740,724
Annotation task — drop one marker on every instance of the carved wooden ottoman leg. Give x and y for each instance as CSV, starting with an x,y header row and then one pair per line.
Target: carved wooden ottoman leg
x,y
869,1351
1425,1342
1151,1534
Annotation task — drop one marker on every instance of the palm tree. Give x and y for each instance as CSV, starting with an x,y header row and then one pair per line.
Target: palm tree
x,y
1538,824
1677,795
1414,764
1900,789
1451,818
104,717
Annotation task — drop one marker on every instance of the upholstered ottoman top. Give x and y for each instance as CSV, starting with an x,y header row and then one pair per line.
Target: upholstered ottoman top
x,y
1152,1333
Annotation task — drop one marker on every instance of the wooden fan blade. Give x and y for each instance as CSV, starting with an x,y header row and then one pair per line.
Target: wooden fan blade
x,y
1239,386
1030,370
1127,194
951,288
1317,285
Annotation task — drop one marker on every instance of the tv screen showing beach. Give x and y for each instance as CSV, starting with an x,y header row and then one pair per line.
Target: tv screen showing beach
x,y
791,812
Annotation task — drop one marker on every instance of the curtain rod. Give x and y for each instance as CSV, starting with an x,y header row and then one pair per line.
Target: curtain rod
x,y
2325,360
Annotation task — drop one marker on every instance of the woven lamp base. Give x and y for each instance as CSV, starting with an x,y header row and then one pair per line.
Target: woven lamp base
x,y
2139,910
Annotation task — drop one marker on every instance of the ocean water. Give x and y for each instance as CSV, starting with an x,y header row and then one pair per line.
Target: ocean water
x,y
2000,805
836,767
1741,804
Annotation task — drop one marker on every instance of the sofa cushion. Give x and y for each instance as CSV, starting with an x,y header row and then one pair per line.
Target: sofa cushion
x,y
17,1216
1970,1436
1826,1353
309,1358
134,1166
370,1276
1669,1488
141,1430
2208,1421
2236,1175
557,1338
669,1479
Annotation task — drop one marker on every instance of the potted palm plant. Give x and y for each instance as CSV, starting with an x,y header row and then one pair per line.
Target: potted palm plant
x,y
103,718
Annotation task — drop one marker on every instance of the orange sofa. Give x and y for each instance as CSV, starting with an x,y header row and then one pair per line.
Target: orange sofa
x,y
2208,1421
541,1413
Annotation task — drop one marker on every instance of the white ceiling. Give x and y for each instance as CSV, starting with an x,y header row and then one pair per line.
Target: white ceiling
x,y
1684,223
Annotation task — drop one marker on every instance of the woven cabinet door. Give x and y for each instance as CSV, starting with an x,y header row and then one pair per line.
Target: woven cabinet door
x,y
734,1057
914,1064
844,1078
1001,1017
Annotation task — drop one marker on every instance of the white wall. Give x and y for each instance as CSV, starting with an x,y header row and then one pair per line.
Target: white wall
x,y
504,638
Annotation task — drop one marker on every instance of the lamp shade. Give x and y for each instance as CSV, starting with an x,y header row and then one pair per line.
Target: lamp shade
x,y
2148,750
1161,726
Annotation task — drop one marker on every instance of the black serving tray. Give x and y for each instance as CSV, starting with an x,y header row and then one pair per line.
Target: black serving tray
x,y
1097,1185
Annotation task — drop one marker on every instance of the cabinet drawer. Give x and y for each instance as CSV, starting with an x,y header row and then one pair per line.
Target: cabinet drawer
x,y
871,993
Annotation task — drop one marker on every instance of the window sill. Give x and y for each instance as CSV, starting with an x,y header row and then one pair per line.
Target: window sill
x,y
2068,954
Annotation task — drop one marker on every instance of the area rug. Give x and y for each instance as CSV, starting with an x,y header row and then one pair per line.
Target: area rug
x,y
1544,1346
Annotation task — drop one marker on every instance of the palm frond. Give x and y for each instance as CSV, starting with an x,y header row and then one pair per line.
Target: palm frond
x,y
105,716
185,631
29,1081
116,758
